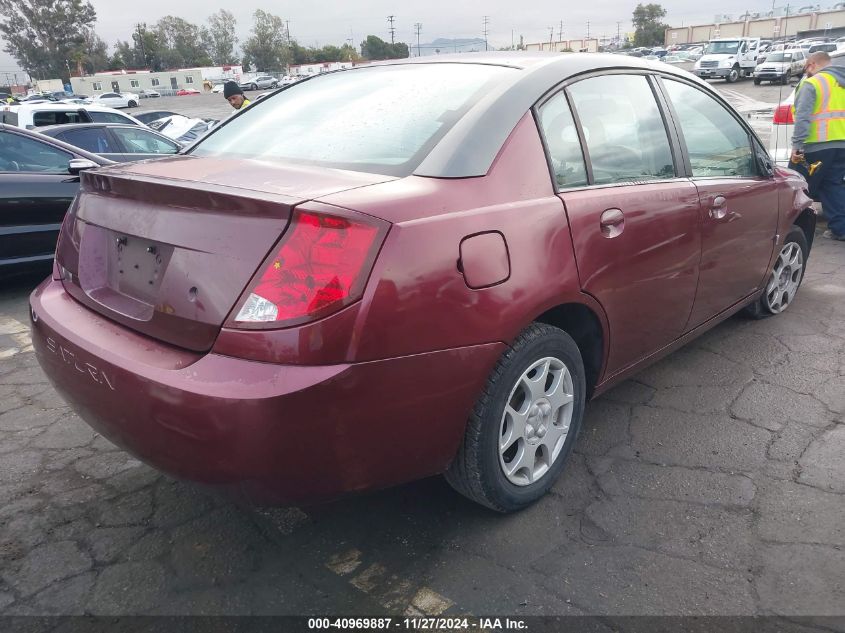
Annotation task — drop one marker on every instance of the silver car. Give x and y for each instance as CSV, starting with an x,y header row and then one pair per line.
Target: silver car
x,y
781,66
262,82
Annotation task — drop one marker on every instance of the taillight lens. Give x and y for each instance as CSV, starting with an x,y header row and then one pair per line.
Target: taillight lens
x,y
320,266
783,115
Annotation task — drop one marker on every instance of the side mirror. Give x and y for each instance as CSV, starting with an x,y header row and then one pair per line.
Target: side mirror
x,y
76,165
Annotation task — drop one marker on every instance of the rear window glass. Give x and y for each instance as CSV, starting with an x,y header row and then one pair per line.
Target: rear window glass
x,y
109,117
382,120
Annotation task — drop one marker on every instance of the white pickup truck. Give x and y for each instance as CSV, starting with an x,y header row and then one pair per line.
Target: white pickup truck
x,y
728,59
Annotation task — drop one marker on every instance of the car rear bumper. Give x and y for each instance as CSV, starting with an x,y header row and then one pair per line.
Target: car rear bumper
x,y
268,433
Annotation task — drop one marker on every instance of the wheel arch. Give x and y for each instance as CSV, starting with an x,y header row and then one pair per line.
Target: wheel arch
x,y
806,221
587,329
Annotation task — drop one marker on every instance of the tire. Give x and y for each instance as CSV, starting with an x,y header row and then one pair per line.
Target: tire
x,y
253,87
478,470
756,82
733,75
133,104
785,79
782,287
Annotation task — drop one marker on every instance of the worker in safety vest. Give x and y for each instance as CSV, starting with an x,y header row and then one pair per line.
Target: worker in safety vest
x,y
819,135
235,96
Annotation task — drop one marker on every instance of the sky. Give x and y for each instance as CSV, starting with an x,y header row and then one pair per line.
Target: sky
x,y
319,22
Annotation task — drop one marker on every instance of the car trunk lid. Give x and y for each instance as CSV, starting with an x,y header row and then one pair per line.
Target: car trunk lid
x,y
167,247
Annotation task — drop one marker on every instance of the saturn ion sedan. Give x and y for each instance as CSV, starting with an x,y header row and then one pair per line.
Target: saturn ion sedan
x,y
421,267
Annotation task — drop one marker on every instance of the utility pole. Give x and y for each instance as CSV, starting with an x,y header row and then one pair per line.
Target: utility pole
x,y
485,29
392,30
560,32
618,32
551,36
418,28
588,29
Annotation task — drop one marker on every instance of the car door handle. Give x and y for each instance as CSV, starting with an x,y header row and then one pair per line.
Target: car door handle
x,y
719,208
612,223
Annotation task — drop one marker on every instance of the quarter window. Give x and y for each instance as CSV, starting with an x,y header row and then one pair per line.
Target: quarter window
x,y
716,143
623,129
562,140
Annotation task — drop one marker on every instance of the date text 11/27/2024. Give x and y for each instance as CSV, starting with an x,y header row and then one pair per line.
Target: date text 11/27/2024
x,y
419,624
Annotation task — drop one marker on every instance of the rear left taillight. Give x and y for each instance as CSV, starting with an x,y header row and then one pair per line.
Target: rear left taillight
x,y
320,265
783,115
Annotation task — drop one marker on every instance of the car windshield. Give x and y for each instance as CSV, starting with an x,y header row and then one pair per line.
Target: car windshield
x,y
722,48
383,119
779,57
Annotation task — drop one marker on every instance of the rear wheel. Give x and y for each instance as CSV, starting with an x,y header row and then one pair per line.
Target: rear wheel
x,y
785,278
133,104
253,87
524,425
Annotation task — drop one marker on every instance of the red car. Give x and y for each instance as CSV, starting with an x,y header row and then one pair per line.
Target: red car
x,y
422,267
184,92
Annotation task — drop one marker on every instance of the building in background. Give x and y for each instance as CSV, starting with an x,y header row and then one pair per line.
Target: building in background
x,y
136,80
578,46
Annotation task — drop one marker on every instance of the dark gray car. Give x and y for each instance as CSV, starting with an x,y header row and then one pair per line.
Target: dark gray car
x,y
120,143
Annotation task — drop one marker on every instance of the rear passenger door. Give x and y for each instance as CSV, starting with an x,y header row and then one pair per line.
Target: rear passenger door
x,y
634,221
96,140
738,201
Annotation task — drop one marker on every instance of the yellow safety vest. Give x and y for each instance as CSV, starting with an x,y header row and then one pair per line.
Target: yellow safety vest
x,y
246,103
827,122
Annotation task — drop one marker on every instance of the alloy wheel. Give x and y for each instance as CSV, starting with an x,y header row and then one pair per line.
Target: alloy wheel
x,y
786,277
536,421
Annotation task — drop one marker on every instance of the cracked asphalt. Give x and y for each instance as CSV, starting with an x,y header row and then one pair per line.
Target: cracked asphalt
x,y
712,483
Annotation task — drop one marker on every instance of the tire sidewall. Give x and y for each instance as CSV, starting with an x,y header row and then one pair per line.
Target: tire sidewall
x,y
506,494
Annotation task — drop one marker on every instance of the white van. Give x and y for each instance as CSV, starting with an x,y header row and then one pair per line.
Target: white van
x,y
35,115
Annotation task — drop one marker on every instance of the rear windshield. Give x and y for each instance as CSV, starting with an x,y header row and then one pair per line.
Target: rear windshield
x,y
382,120
56,117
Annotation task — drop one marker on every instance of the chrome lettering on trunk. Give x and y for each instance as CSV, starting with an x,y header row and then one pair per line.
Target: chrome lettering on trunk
x,y
97,375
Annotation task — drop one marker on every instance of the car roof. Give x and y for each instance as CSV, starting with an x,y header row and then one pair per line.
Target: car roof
x,y
471,145
76,126
56,143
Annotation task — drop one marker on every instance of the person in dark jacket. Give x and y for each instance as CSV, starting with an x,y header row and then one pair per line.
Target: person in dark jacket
x,y
235,96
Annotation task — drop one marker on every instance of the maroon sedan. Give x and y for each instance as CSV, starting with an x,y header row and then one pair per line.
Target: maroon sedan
x,y
423,267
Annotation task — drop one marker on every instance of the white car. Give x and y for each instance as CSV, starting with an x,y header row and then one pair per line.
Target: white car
x,y
35,115
149,94
217,88
261,82
780,139
117,99
781,66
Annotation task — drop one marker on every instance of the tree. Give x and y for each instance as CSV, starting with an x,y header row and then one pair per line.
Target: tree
x,y
44,35
219,38
94,56
648,29
180,42
376,48
267,48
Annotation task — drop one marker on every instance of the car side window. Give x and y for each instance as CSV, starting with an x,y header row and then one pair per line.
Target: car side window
x,y
108,117
90,139
624,132
562,140
142,142
55,117
19,153
716,142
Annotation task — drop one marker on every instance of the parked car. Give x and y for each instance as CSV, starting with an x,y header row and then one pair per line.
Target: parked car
x,y
39,177
33,115
117,99
783,122
120,143
183,129
148,117
781,66
149,94
263,82
185,92
360,282
217,88
827,47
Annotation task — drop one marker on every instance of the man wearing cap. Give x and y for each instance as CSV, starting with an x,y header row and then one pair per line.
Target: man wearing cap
x,y
235,96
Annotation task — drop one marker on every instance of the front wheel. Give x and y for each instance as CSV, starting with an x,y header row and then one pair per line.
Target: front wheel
x,y
785,79
756,82
733,75
785,278
523,427
133,104
253,87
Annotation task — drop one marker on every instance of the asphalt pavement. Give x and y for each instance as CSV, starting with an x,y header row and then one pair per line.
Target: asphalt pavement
x,y
711,483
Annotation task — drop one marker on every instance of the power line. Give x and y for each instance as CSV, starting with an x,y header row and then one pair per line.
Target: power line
x,y
485,29
392,30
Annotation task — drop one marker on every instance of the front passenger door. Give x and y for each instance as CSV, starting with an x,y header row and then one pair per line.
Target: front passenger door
x,y
739,204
